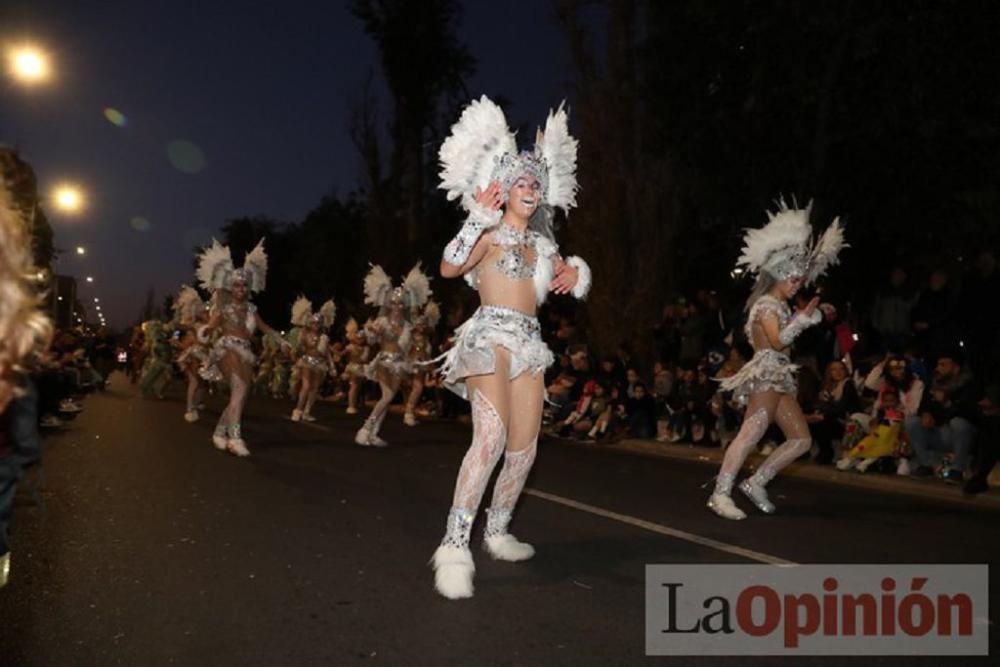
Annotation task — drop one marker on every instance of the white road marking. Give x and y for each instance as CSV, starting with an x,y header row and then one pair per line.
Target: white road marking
x,y
662,530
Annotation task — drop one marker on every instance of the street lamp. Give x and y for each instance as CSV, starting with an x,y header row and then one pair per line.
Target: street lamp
x,y
80,250
68,198
28,64
90,279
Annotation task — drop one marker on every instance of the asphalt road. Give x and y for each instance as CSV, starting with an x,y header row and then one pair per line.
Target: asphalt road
x,y
153,548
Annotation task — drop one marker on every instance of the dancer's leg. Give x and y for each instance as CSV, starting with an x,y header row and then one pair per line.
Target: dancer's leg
x,y
792,422
352,395
760,410
416,390
527,397
490,397
315,381
238,372
368,434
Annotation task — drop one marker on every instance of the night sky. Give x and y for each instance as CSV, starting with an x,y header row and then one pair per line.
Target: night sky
x,y
230,112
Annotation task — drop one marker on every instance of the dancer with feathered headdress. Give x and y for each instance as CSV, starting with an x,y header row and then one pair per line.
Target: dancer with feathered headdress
x,y
313,351
191,317
506,250
356,353
235,319
391,331
784,257
425,320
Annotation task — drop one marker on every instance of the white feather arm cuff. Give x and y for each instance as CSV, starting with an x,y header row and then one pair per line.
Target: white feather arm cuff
x,y
460,247
582,287
797,325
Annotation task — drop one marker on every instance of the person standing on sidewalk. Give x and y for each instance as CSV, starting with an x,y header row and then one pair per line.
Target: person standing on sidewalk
x,y
784,259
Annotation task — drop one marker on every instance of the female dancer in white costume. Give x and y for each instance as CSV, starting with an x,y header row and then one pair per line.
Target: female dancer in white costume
x,y
191,315
784,259
420,354
391,331
506,250
313,351
235,319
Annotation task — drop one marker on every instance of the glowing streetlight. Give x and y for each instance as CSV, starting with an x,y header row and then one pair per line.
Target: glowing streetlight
x,y
90,279
96,300
68,198
80,250
28,64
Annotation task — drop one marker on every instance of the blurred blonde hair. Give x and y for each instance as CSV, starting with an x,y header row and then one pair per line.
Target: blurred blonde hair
x,y
24,329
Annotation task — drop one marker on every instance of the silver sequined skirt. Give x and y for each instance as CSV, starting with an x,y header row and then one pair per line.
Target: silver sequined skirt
x,y
317,364
769,370
475,343
393,363
239,346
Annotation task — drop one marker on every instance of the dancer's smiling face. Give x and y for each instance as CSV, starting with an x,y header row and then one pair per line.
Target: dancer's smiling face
x,y
789,287
524,197
239,291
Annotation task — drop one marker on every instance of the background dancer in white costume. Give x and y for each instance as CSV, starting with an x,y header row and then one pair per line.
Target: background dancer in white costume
x,y
424,323
505,250
313,350
784,258
191,315
235,318
391,331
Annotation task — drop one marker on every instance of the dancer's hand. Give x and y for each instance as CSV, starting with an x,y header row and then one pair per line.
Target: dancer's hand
x,y
566,277
811,306
491,197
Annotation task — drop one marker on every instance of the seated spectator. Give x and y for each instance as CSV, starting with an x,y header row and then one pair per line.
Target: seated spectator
x,y
609,374
987,441
663,384
884,437
640,413
837,399
631,380
945,422
579,421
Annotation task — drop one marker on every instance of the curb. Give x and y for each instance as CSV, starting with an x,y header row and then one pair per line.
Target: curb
x,y
712,457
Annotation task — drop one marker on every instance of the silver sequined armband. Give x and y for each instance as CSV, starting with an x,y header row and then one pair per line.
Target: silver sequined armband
x,y
459,248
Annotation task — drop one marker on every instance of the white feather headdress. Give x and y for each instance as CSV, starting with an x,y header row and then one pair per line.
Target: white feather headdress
x,y
432,314
216,270
302,313
784,249
412,293
481,149
187,306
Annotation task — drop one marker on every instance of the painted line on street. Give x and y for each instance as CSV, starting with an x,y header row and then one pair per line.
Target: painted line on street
x,y
662,530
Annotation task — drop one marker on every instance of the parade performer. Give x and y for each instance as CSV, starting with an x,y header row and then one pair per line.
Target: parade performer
x,y
313,352
356,352
235,319
507,251
424,324
156,370
191,315
784,257
392,332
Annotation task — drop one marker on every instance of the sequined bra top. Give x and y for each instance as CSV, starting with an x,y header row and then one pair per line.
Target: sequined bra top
x,y
765,306
239,319
516,271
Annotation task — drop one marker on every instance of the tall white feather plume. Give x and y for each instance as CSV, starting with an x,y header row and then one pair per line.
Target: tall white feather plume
x,y
417,287
377,286
787,228
215,264
327,313
469,154
187,305
558,148
301,311
826,252
255,265
432,314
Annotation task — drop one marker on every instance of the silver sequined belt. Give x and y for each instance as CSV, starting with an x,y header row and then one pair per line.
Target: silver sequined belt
x,y
499,315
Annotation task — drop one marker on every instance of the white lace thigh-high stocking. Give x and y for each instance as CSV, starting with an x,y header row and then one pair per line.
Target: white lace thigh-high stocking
x,y
453,565
501,544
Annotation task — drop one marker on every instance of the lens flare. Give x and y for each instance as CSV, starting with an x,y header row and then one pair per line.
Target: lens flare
x,y
185,156
140,224
115,117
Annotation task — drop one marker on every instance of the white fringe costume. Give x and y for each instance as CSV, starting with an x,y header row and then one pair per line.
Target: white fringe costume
x,y
190,314
391,331
231,357
481,150
314,362
781,250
